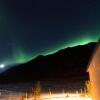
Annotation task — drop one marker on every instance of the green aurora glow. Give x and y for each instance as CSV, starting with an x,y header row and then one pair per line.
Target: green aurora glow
x,y
12,27
82,40
19,56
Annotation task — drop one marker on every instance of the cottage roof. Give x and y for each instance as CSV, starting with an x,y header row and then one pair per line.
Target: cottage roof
x,y
93,54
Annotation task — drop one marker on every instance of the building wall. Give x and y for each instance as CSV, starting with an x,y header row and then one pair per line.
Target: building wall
x,y
94,73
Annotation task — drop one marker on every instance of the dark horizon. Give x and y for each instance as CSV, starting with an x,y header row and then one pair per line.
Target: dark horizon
x,y
6,67
69,64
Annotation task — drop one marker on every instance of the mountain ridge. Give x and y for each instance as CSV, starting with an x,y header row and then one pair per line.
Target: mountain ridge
x,y
69,63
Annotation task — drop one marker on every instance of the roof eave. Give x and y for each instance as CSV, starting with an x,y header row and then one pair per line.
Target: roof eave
x,y
93,54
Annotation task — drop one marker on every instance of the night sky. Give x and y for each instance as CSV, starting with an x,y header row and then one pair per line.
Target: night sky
x,y
29,28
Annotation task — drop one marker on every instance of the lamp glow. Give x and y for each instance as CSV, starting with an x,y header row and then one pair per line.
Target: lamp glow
x,y
2,66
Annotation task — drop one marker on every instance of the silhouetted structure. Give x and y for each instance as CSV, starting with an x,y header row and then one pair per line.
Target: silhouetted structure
x,y
94,72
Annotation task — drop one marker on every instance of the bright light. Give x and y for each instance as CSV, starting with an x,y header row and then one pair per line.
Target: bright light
x,y
2,66
64,97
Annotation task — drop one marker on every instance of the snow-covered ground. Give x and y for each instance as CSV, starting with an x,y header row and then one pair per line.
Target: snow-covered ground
x,y
46,96
71,96
16,91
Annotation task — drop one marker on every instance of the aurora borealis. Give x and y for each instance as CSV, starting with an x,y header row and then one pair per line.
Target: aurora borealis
x,y
29,28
